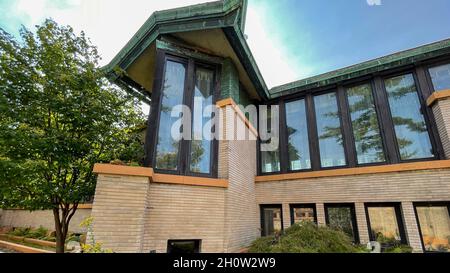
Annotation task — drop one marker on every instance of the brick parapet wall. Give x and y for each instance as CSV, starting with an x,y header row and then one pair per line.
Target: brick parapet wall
x,y
441,111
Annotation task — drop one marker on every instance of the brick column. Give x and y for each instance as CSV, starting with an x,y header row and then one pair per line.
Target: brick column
x,y
412,229
286,215
441,111
361,221
119,212
321,221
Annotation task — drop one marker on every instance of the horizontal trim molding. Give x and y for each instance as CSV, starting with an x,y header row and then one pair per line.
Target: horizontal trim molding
x,y
403,167
438,95
159,178
238,111
122,170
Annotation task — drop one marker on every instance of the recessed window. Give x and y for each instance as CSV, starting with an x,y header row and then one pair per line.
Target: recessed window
x,y
172,94
303,213
342,217
271,219
201,145
270,160
440,76
366,130
410,128
385,224
434,223
297,131
329,131
183,246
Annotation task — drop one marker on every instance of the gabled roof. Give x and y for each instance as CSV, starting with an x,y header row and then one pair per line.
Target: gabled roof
x,y
391,61
228,15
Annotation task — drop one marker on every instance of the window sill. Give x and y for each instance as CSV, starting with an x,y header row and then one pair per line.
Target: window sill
x,y
403,167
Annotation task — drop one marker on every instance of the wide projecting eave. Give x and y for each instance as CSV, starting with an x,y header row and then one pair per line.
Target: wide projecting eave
x,y
402,58
228,15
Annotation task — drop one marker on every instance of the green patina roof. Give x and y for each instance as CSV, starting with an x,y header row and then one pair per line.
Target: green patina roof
x,y
228,15
398,59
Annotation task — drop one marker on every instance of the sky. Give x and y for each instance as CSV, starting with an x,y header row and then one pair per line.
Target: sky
x,y
290,39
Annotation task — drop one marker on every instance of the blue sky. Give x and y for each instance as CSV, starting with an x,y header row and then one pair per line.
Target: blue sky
x,y
290,39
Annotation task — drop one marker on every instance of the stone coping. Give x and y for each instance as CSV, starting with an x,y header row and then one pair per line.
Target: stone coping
x,y
239,113
438,95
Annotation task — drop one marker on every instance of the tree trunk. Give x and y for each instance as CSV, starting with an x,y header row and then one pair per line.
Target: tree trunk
x,y
62,222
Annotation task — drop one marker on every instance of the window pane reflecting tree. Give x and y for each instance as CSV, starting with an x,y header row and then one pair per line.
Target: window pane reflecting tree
x,y
200,152
297,130
383,223
434,224
272,221
342,218
440,75
366,131
270,160
172,95
329,131
410,127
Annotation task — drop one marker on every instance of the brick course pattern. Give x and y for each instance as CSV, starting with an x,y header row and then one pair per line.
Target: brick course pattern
x,y
441,111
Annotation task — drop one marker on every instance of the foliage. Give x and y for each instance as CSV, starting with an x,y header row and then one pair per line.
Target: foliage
x,y
391,245
58,117
306,237
93,246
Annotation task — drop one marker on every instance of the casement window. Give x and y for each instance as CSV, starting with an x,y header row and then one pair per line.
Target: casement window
x,y
434,224
440,77
413,139
184,82
269,160
303,212
271,219
183,246
385,223
342,217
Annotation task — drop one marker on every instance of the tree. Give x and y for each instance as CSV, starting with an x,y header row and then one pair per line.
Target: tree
x,y
58,117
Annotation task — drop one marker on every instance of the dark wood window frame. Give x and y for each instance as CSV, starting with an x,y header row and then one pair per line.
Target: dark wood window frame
x,y
197,243
262,218
390,147
352,211
427,204
299,206
162,57
398,215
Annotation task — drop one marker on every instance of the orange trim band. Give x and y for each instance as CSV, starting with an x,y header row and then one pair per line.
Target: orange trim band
x,y
416,166
189,180
238,111
438,95
122,170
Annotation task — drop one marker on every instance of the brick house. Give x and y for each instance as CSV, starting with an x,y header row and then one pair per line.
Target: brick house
x,y
365,148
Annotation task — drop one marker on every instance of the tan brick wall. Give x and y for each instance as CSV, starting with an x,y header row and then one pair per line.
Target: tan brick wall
x,y
44,218
119,211
441,111
402,187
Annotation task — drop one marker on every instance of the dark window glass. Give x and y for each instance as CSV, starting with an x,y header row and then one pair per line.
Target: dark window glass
x,y
329,131
183,247
342,217
297,130
440,75
302,213
270,160
201,144
173,89
384,223
272,220
410,127
434,224
366,131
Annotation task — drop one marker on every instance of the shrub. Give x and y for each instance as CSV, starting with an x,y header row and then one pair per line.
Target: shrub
x,y
391,245
38,233
21,232
307,237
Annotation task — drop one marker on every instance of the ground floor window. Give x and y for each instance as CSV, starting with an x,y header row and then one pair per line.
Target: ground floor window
x,y
343,217
271,219
303,212
385,223
183,246
434,224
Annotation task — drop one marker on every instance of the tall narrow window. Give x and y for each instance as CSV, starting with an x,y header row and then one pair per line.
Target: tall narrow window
x,y
366,131
172,94
342,217
410,127
271,218
200,150
297,130
329,131
385,223
270,160
434,222
440,76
